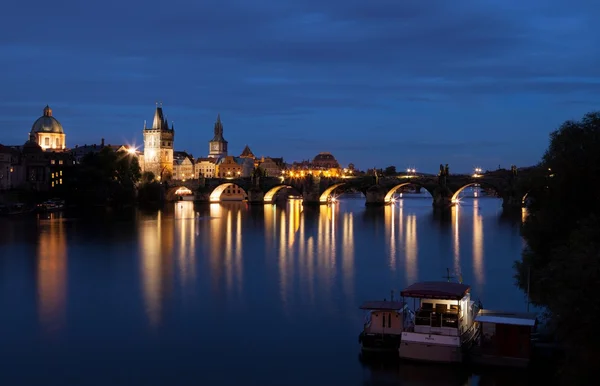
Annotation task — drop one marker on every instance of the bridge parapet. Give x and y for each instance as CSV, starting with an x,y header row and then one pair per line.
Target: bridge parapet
x,y
510,185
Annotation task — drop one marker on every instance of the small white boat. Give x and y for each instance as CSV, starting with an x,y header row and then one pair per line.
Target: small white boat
x,y
384,323
444,327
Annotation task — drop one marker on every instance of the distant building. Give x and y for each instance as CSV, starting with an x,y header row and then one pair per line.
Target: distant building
x,y
158,146
272,166
183,166
6,170
48,132
217,146
231,167
323,164
205,167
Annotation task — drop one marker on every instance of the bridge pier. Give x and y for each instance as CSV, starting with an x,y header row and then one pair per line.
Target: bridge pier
x,y
311,198
375,196
201,197
512,203
256,196
442,201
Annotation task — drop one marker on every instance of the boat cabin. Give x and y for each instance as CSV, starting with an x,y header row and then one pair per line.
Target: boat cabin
x,y
506,338
442,308
384,317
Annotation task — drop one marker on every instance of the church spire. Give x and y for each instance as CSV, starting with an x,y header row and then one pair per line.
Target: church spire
x,y
218,129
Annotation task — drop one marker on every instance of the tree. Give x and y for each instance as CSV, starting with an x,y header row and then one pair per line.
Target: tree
x,y
148,177
561,262
390,171
105,177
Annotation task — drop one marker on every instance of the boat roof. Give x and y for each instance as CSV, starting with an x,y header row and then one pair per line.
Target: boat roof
x,y
436,290
382,305
501,317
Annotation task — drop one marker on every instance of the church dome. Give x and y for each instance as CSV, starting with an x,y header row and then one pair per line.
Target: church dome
x,y
47,123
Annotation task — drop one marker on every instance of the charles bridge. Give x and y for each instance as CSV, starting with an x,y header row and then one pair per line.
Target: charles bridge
x,y
512,186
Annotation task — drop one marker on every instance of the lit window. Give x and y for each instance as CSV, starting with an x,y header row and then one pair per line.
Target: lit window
x,y
60,181
60,172
60,162
52,162
52,175
52,183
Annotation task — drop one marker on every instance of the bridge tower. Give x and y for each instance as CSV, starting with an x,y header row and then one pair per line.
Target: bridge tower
x,y
158,146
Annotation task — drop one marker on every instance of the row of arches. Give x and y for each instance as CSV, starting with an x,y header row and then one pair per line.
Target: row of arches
x,y
326,196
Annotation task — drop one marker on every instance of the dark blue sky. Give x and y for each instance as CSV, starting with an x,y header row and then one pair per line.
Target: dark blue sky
x,y
403,82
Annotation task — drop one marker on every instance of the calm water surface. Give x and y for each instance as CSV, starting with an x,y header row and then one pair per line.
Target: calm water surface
x,y
230,294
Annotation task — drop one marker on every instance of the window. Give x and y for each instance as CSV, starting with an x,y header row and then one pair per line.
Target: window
x,y
60,181
52,162
60,162
60,172
47,141
57,142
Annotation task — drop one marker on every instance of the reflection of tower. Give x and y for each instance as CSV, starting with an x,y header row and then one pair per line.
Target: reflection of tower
x,y
158,146
185,217
477,244
52,275
156,263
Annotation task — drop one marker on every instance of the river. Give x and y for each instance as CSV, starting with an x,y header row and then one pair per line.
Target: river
x,y
234,294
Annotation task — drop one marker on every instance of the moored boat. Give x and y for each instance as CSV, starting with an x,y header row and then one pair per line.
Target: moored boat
x,y
384,323
444,327
506,339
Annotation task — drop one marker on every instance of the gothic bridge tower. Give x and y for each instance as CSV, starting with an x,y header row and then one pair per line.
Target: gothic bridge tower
x,y
158,146
217,145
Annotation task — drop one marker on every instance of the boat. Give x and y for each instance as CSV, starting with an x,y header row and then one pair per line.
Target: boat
x,y
507,339
51,206
384,323
444,327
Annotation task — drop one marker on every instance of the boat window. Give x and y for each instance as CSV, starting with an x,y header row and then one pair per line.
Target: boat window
x,y
389,320
441,307
427,306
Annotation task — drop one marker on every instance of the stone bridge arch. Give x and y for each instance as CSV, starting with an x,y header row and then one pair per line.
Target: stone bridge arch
x,y
481,183
270,194
174,192
215,195
324,197
390,194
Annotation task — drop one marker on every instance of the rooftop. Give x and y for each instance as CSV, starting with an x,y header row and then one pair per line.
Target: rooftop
x,y
436,290
382,305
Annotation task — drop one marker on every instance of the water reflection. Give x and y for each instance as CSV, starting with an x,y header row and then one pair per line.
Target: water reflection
x,y
478,254
401,229
52,274
185,226
224,241
455,210
156,262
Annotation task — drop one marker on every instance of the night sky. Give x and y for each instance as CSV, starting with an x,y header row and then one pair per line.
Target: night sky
x,y
403,82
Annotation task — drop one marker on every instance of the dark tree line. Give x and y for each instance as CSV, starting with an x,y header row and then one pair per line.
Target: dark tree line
x,y
104,178
561,262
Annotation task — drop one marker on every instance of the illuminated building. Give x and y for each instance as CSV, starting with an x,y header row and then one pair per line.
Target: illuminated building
x,y
48,132
183,166
324,164
272,166
205,167
158,146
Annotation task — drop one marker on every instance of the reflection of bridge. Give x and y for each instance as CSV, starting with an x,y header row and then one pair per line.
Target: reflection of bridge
x,y
511,187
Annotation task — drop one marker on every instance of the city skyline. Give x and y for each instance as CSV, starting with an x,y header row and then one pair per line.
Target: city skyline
x,y
475,84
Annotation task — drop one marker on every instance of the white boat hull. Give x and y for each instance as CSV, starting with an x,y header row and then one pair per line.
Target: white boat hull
x,y
430,348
